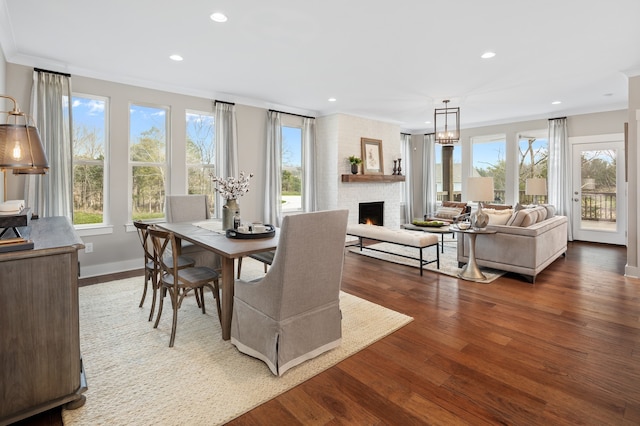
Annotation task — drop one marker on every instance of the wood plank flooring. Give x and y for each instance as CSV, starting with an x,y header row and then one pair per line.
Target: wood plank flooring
x,y
563,351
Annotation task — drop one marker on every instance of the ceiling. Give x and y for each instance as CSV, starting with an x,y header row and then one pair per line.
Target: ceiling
x,y
393,61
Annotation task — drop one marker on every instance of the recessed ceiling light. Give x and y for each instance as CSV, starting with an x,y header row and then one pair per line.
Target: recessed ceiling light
x,y
487,55
177,58
332,99
608,94
427,122
218,17
556,102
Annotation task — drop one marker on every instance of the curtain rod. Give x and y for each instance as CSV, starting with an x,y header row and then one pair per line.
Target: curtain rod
x,y
290,113
427,134
223,102
52,72
558,118
406,134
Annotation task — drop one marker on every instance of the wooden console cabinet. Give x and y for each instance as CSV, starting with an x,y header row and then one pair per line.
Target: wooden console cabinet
x,y
40,364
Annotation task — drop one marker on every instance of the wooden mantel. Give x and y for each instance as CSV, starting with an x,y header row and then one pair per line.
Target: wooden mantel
x,y
372,178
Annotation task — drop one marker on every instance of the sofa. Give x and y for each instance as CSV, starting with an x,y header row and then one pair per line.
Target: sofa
x,y
527,240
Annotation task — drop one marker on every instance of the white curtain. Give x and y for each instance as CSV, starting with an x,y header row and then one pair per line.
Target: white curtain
x,y
51,194
429,174
226,146
309,164
559,170
407,154
272,181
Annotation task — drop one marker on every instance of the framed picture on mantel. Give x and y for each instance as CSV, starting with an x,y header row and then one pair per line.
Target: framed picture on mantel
x,y
371,156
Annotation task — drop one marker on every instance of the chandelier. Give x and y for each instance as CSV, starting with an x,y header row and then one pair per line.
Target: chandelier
x,y
446,124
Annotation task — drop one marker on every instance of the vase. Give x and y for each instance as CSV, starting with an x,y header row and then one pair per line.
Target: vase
x,y
228,211
399,166
395,167
354,169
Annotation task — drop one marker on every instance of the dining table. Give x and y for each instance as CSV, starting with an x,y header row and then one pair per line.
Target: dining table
x,y
209,235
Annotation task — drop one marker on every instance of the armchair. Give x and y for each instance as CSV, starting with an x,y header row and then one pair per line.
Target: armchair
x,y
293,313
450,212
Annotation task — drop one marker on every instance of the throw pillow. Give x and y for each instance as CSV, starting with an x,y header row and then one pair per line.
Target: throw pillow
x,y
498,216
447,212
523,218
551,210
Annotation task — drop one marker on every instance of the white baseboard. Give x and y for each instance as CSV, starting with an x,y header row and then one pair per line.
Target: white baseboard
x,y
631,271
109,268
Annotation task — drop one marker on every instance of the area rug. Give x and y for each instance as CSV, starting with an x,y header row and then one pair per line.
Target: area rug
x,y
134,377
448,259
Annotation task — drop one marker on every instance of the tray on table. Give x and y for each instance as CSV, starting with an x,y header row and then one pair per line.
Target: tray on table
x,y
268,233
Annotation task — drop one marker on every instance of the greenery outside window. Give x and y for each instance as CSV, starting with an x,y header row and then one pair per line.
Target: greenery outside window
x,y
90,143
292,172
488,160
200,154
533,153
148,169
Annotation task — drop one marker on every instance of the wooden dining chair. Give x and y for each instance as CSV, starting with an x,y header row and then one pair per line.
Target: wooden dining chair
x,y
265,257
177,282
151,266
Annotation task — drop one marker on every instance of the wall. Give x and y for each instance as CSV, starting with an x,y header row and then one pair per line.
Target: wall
x,y
3,104
339,137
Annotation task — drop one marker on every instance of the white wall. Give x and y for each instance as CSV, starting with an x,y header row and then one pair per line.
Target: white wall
x,y
339,137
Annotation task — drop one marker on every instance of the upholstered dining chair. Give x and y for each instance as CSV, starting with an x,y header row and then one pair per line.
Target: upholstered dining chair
x,y
177,282
293,313
151,266
192,208
266,258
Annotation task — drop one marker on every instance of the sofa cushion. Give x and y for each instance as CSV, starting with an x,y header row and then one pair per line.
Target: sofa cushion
x,y
551,210
527,216
498,216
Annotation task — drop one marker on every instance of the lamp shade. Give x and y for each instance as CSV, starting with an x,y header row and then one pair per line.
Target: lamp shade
x,y
21,148
480,189
535,186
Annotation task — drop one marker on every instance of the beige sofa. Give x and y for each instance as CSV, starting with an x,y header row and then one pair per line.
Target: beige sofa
x,y
525,245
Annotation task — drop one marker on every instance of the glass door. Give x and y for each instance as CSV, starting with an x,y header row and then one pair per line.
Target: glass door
x,y
599,199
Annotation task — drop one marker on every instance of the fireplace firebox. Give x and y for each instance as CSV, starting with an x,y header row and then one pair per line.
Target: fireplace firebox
x,y
371,213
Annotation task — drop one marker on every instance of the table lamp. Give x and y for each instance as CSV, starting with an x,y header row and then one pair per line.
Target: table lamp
x,y
480,189
535,187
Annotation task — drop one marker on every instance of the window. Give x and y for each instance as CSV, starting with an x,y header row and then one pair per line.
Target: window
x,y
533,152
488,160
147,161
448,189
89,158
291,169
200,156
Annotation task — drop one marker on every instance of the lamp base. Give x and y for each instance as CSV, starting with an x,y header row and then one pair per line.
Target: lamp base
x,y
480,219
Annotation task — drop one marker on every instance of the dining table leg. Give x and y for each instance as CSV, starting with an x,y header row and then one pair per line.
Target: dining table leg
x,y
227,296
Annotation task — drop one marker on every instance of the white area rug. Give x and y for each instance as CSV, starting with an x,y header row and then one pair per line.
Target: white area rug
x,y
448,259
134,377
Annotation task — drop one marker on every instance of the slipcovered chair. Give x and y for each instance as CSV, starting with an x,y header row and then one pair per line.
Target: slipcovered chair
x,y
192,208
293,313
151,267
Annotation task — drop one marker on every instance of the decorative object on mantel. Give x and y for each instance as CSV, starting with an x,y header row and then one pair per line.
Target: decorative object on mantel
x,y
231,189
20,145
371,156
399,167
446,124
373,178
354,161
395,167
480,189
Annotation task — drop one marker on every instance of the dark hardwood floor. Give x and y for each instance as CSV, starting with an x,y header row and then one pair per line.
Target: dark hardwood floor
x,y
563,351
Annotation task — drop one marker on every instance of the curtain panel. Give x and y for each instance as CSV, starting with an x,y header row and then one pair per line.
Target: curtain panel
x,y
309,179
273,181
407,154
429,173
226,146
559,170
52,194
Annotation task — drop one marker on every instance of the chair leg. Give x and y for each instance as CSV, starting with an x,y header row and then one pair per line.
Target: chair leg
x,y
239,266
154,287
204,311
265,268
216,295
175,303
162,295
144,292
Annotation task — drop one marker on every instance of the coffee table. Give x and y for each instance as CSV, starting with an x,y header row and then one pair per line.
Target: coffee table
x,y
471,271
442,230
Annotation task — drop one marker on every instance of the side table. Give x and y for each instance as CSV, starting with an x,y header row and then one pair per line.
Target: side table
x,y
471,271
